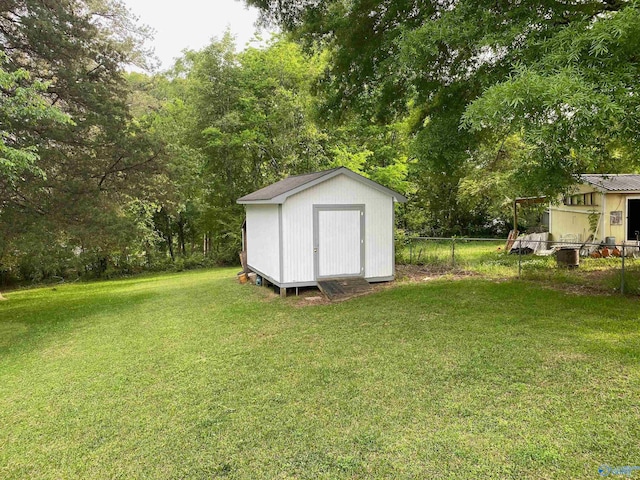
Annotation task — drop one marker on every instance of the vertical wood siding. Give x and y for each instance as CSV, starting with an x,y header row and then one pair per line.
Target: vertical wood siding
x,y
263,239
339,242
297,216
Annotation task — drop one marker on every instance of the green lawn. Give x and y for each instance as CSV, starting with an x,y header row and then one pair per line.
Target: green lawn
x,y
192,375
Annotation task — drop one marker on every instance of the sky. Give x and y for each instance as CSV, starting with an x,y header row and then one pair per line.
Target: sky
x,y
192,24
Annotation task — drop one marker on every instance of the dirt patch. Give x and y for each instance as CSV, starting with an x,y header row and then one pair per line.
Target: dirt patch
x,y
425,273
404,274
577,289
582,282
308,296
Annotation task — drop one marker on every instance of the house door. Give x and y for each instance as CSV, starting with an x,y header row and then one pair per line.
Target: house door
x,y
338,235
633,219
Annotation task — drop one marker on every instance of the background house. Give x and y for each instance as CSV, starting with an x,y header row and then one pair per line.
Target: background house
x,y
602,205
328,224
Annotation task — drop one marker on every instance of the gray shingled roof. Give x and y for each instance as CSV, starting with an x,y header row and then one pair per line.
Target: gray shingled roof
x,y
627,182
279,191
283,186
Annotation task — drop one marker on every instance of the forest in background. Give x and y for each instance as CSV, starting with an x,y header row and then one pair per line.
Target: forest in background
x,y
461,106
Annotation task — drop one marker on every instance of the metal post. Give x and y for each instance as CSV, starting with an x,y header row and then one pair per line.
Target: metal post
x,y
410,251
453,251
622,276
520,259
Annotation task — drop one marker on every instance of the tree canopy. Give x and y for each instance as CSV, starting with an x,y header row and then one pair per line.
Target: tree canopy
x,y
560,74
71,150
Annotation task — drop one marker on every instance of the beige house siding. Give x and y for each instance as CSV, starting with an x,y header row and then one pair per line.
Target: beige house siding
x,y
616,202
568,222
574,219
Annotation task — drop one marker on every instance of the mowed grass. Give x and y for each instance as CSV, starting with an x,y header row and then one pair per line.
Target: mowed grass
x,y
192,375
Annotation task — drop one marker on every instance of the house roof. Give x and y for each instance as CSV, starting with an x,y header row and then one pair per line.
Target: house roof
x,y
627,182
278,192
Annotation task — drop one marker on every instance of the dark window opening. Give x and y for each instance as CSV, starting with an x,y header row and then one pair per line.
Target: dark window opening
x,y
633,219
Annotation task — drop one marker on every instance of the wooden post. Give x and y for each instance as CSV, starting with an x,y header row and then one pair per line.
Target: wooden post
x,y
283,292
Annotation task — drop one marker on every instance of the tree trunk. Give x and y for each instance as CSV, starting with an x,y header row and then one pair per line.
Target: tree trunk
x,y
103,263
147,248
181,242
169,239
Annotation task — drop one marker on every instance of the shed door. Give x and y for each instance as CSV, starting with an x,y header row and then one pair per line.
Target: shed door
x,y
338,240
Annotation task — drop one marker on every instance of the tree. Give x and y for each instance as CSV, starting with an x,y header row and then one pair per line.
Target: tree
x,y
22,101
560,75
91,157
246,120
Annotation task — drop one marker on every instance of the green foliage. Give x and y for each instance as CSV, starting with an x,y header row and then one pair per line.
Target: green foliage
x,y
594,220
251,124
106,173
355,161
72,156
559,77
22,101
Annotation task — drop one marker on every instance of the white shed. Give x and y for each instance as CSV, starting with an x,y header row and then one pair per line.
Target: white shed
x,y
329,224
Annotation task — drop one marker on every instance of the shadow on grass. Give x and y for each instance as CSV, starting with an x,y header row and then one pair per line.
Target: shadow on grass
x,y
26,323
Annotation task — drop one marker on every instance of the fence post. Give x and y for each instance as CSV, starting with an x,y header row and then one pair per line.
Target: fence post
x,y
410,251
520,260
453,251
622,276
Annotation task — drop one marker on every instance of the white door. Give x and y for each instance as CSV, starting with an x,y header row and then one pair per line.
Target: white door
x,y
339,241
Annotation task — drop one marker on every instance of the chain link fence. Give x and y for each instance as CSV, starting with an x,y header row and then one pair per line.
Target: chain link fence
x,y
582,266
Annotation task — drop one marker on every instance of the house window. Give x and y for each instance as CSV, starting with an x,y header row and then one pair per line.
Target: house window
x,y
588,198
616,218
